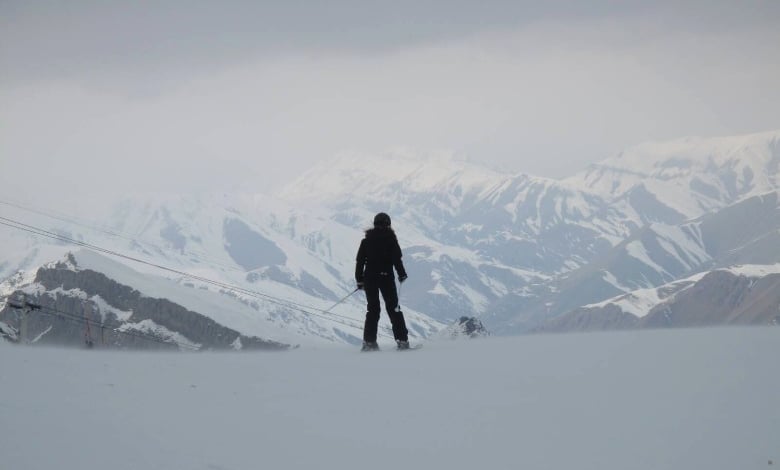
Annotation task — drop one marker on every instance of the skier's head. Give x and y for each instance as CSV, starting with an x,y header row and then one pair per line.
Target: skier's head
x,y
381,220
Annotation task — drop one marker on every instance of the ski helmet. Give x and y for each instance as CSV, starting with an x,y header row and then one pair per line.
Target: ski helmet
x,y
382,220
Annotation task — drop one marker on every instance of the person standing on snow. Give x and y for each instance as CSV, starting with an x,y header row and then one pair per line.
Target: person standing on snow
x,y
378,254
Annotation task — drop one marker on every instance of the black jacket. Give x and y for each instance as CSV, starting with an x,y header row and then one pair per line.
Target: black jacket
x,y
378,254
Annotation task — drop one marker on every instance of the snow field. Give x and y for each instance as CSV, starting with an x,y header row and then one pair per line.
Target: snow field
x,y
679,399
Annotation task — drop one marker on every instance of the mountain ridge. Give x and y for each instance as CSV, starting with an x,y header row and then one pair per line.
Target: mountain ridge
x,y
512,249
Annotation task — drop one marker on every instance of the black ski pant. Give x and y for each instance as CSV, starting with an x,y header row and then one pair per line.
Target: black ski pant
x,y
385,284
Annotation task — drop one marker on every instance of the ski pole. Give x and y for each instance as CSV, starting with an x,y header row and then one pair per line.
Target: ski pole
x,y
340,301
398,306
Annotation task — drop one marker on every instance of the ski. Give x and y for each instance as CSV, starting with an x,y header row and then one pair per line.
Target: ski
x,y
410,348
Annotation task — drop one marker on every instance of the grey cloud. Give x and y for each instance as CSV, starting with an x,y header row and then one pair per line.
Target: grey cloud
x,y
77,39
205,95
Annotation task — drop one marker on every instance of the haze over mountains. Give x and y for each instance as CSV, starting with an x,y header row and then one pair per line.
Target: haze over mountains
x,y
661,225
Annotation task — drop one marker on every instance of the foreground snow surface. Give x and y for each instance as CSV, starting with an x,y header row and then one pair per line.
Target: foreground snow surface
x,y
684,399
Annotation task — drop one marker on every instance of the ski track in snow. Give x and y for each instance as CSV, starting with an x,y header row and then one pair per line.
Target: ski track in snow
x,y
682,399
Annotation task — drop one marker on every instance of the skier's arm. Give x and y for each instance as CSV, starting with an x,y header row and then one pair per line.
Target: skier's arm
x,y
399,265
360,263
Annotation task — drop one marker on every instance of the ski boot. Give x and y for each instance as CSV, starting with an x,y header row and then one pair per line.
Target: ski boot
x,y
401,345
370,346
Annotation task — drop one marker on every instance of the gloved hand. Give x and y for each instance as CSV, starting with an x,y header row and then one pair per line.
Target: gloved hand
x,y
402,278
360,285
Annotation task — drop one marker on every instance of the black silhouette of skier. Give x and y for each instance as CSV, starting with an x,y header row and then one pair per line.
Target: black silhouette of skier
x,y
378,254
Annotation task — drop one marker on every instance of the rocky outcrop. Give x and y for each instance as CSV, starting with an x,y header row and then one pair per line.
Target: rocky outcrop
x,y
465,327
608,317
81,307
721,297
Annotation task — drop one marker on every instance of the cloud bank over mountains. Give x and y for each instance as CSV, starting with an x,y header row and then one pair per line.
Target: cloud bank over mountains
x,y
194,96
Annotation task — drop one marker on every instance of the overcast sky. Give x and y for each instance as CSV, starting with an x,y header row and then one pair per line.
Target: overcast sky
x,y
195,95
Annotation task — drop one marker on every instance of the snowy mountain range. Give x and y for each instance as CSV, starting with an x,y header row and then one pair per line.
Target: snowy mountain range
x,y
520,252
651,215
272,275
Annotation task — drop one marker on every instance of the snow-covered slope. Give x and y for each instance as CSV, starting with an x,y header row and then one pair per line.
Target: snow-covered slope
x,y
674,400
505,218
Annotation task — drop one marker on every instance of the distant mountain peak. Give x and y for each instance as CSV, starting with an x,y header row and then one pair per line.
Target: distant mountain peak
x,y
365,174
691,175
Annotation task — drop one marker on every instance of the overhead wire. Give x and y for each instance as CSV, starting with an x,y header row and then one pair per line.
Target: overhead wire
x,y
238,289
229,287
73,318
63,218
70,219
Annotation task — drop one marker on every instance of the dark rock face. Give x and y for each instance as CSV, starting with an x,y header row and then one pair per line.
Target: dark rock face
x,y
63,318
718,298
608,317
721,298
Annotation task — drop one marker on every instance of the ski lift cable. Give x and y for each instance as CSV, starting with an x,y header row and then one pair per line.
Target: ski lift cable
x,y
198,256
291,305
65,218
334,320
236,289
72,220
73,318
